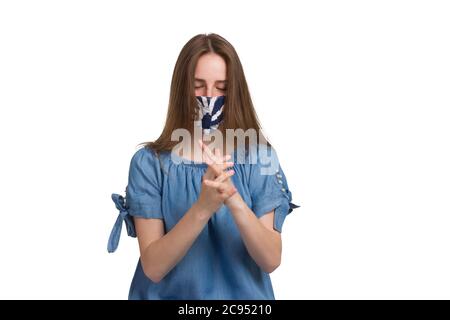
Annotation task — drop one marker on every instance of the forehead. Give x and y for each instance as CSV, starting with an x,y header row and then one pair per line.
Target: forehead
x,y
211,66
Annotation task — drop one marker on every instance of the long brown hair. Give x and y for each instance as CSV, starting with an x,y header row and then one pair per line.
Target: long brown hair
x,y
239,112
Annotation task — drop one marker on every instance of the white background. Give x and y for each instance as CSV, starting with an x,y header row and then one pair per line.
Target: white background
x,y
353,94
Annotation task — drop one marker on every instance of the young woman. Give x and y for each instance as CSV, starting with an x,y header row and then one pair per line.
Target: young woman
x,y
208,222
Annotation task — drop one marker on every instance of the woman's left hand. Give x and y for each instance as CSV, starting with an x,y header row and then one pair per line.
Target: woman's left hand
x,y
215,174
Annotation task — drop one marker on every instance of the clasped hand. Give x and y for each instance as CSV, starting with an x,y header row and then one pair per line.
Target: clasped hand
x,y
217,186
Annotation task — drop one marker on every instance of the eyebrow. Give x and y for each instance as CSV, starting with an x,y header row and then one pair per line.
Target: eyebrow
x,y
203,80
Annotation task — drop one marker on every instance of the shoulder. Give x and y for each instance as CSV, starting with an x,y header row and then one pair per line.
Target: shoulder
x,y
144,158
145,154
255,152
262,158
257,162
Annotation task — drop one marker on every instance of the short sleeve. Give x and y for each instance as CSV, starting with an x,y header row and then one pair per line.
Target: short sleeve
x,y
143,192
142,195
268,186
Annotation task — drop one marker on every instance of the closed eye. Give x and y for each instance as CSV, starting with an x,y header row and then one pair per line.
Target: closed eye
x,y
201,86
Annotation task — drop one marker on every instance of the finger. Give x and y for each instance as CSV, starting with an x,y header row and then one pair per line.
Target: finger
x,y
209,153
218,162
213,160
224,176
217,173
216,168
213,184
219,157
221,187
205,156
222,160
207,159
219,169
228,164
216,152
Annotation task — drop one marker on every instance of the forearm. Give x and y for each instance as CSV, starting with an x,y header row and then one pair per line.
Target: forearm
x,y
162,255
263,245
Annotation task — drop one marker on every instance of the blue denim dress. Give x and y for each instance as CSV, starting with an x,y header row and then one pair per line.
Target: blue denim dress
x,y
218,265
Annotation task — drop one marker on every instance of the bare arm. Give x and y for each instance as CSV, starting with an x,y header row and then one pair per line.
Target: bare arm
x,y
161,252
261,240
263,243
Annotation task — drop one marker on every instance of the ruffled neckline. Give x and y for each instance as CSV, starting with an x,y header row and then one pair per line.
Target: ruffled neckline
x,y
177,160
184,161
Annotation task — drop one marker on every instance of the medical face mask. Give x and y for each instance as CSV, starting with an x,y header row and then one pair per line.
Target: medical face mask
x,y
210,111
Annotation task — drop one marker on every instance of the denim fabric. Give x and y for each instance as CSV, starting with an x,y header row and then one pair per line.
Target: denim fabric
x,y
217,266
